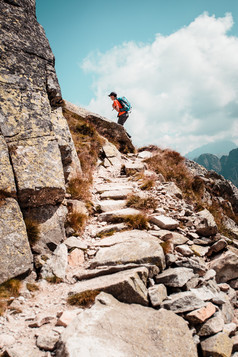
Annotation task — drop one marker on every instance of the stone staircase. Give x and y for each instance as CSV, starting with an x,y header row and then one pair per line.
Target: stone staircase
x,y
133,273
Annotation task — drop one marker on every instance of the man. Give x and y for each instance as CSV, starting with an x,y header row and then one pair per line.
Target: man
x,y
122,114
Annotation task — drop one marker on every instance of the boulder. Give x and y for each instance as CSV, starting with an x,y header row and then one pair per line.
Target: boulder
x,y
199,250
175,277
206,225
110,130
38,170
16,257
56,266
164,222
76,258
50,221
134,167
129,247
125,333
184,250
225,267
217,345
127,286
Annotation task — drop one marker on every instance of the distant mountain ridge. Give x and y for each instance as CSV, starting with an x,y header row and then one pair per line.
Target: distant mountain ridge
x,y
219,148
226,166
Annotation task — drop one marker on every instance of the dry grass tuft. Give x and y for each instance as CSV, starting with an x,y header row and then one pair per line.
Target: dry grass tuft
x,y
77,221
147,184
32,287
79,188
106,234
10,288
145,204
84,299
139,221
33,231
53,279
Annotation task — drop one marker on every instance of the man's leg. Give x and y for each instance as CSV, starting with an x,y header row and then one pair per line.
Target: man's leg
x,y
122,118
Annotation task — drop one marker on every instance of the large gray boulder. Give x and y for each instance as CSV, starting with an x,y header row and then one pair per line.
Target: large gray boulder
x,y
16,257
111,328
127,286
130,247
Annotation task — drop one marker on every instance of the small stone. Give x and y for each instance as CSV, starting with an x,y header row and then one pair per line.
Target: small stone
x,y
73,242
157,294
67,316
76,258
39,321
174,277
217,247
201,315
184,250
217,345
164,222
47,341
230,328
182,302
200,251
210,274
212,326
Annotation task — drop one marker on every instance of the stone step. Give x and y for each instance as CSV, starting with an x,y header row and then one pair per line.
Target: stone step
x,y
127,286
134,246
112,205
116,194
100,188
112,228
118,214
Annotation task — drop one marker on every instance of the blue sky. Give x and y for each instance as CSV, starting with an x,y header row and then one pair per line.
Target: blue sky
x,y
92,40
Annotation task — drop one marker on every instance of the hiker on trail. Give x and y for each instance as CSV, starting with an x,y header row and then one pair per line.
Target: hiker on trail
x,y
122,106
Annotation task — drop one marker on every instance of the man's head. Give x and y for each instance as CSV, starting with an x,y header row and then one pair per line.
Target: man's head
x,y
113,95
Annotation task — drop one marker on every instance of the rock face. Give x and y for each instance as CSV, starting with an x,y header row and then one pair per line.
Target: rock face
x,y
110,130
108,329
16,257
37,153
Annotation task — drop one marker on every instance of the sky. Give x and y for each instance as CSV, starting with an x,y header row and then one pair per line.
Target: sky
x,y
175,60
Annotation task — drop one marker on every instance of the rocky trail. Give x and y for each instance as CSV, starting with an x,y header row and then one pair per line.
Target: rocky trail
x,y
187,278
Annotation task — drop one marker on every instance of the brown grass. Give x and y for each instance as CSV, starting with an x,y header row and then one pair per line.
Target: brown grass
x,y
138,221
147,184
79,189
84,299
10,288
77,221
53,279
138,202
33,231
32,287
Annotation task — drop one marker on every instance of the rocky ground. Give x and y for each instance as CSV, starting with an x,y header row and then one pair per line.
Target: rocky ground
x,y
179,300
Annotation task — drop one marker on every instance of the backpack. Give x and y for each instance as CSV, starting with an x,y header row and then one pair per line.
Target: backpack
x,y
125,103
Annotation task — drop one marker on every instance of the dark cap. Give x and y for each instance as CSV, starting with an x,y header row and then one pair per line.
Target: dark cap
x,y
112,94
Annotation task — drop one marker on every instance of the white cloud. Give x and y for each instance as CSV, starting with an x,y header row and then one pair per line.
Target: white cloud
x,y
183,87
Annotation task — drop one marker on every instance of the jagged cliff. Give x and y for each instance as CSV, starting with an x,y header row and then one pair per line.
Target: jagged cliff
x,y
37,151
